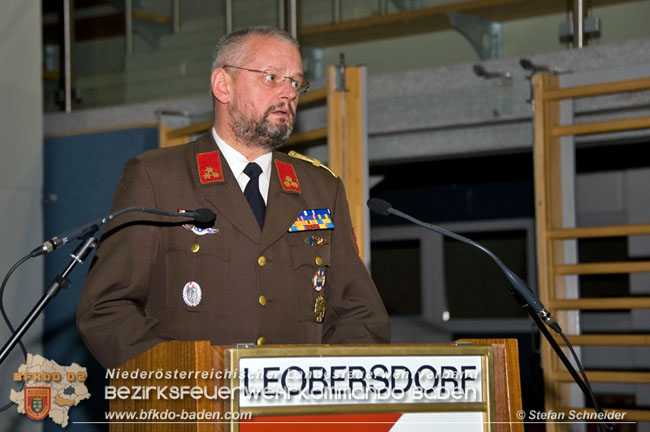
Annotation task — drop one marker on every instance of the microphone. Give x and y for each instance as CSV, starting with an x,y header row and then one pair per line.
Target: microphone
x,y
384,208
200,216
379,206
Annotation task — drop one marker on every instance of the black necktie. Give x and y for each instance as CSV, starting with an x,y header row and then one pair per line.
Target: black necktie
x,y
252,192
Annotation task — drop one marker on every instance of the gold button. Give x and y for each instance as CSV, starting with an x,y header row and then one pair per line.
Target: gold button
x,y
195,247
319,261
261,340
262,300
261,261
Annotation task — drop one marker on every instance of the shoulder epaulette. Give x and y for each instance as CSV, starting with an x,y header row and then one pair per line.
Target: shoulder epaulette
x,y
314,162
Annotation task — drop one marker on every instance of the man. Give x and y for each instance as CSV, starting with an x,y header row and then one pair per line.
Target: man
x,y
256,275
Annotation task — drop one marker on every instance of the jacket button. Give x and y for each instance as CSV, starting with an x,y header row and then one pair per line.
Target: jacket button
x,y
195,247
261,261
262,300
318,261
261,340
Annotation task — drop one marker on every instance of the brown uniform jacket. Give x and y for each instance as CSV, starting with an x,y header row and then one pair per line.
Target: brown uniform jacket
x,y
133,295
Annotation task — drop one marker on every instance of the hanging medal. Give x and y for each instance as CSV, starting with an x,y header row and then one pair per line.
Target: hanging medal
x,y
319,309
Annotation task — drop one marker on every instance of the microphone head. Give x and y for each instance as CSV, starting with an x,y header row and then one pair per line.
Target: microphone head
x,y
205,217
380,206
526,64
479,71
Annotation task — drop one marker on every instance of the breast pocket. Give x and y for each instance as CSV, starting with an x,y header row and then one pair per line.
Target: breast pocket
x,y
311,256
197,271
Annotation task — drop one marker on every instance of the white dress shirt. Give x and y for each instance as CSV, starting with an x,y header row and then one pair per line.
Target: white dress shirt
x,y
237,162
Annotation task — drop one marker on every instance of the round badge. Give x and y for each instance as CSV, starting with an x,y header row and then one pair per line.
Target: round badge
x,y
192,294
319,279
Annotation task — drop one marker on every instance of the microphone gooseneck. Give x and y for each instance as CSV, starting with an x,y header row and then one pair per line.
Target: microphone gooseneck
x,y
202,217
385,208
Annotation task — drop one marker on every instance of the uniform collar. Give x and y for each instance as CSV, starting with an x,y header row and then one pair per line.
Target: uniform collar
x,y
237,162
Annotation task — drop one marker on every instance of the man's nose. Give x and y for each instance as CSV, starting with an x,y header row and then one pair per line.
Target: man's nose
x,y
288,91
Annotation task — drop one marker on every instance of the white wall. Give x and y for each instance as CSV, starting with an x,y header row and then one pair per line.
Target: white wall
x,y
21,167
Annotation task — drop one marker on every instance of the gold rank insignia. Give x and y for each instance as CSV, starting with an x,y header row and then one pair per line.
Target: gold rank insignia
x,y
319,309
314,162
209,165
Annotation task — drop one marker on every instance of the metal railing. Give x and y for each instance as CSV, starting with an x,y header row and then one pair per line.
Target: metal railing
x,y
380,14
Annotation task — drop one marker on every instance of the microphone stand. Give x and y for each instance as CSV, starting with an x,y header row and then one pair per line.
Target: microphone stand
x,y
86,233
551,340
524,296
60,281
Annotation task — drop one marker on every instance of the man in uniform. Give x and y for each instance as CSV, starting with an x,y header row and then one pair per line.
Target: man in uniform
x,y
278,266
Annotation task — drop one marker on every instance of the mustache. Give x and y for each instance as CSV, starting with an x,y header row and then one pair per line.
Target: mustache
x,y
272,108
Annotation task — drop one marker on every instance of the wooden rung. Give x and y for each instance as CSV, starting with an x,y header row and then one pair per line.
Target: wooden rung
x,y
307,136
629,377
603,268
607,340
599,231
631,415
314,96
51,75
602,303
203,126
601,127
151,17
191,129
598,89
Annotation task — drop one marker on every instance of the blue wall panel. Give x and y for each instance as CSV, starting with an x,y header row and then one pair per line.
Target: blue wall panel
x,y
80,175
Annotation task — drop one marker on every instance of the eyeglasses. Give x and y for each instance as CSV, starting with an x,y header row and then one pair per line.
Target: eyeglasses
x,y
273,80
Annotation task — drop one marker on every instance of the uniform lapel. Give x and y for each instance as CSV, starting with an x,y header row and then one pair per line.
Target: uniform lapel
x,y
226,196
283,207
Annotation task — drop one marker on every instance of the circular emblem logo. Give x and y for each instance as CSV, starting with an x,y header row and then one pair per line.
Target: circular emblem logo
x,y
192,294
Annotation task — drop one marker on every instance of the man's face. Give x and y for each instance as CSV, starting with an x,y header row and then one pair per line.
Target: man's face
x,y
261,114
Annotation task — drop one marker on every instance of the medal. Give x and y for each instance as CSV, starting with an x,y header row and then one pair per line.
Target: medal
x,y
319,279
315,219
319,309
200,231
314,241
192,294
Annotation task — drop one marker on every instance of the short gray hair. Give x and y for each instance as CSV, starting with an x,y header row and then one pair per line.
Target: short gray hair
x,y
229,48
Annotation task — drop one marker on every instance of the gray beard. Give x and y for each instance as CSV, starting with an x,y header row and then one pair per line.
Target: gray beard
x,y
259,132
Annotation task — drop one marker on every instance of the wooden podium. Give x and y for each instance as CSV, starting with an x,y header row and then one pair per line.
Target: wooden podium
x,y
193,386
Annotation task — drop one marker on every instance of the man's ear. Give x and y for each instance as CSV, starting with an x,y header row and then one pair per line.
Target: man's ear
x,y
219,82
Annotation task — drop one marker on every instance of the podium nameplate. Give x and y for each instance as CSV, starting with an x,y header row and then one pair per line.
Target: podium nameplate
x,y
381,383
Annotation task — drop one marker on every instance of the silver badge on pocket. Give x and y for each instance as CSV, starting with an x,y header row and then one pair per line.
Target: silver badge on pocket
x,y
192,294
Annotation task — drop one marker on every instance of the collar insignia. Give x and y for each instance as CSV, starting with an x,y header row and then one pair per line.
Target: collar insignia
x,y
209,167
288,178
